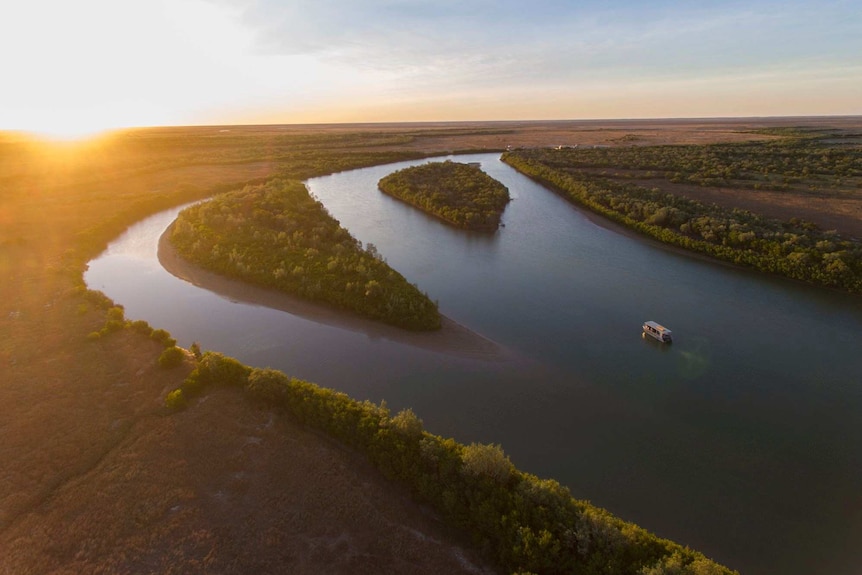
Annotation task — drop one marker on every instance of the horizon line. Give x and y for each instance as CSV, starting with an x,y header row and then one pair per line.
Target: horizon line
x,y
717,119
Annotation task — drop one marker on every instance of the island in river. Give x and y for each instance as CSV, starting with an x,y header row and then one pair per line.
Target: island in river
x,y
452,338
459,194
275,235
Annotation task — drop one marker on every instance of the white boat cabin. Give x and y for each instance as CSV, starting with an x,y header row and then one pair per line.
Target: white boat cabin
x,y
657,331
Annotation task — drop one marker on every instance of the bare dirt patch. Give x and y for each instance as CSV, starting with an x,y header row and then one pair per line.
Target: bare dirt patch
x,y
228,487
829,213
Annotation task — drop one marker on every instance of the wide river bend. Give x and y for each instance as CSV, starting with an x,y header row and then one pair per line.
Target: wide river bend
x,y
743,439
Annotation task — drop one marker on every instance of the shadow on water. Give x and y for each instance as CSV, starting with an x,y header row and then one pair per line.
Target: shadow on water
x,y
452,338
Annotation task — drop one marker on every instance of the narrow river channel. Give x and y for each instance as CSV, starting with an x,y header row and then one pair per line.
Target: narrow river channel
x,y
742,439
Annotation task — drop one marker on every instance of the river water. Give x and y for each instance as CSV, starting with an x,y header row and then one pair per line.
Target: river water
x,y
742,439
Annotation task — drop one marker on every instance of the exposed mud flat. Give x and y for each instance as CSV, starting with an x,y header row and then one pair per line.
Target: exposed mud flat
x,y
453,338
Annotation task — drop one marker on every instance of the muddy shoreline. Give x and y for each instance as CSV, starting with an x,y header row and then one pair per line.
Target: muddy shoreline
x,y
451,339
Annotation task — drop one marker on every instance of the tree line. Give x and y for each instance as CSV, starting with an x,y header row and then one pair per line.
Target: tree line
x,y
808,163
460,194
795,249
520,522
276,235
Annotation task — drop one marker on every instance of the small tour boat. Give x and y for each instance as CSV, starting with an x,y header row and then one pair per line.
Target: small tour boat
x,y
657,331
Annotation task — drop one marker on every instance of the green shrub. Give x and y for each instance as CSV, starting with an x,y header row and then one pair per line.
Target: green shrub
x,y
97,298
116,313
268,384
175,400
171,357
487,461
112,326
164,337
142,327
216,369
407,424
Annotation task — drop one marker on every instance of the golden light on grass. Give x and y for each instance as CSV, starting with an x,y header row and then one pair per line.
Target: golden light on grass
x,y
66,123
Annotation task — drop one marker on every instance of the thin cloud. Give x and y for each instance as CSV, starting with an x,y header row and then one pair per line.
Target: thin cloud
x,y
455,43
186,61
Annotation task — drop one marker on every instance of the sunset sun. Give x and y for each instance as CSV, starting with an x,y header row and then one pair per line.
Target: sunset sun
x,y
73,129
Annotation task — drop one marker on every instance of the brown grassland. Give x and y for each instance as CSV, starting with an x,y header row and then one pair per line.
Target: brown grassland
x,y
96,476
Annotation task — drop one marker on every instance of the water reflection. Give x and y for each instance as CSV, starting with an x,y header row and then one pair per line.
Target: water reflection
x,y
743,439
695,361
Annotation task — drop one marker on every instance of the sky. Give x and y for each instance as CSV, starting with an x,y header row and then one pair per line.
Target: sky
x,y
79,66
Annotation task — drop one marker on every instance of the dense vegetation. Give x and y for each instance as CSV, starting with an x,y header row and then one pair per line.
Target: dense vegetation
x,y
629,195
811,164
522,523
461,194
276,235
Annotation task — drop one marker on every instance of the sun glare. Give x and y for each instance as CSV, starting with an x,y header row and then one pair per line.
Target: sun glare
x,y
69,129
69,134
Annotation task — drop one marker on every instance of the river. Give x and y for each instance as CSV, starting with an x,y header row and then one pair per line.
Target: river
x,y
742,439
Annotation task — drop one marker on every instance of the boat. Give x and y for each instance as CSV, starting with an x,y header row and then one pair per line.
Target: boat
x,y
657,331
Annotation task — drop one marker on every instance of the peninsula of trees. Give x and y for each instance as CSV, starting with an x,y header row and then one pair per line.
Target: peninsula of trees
x,y
276,235
521,523
644,188
460,194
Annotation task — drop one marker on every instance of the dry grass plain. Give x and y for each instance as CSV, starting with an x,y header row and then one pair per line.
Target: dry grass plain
x,y
96,477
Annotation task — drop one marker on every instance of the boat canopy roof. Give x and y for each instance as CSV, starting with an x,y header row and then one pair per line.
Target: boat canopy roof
x,y
657,326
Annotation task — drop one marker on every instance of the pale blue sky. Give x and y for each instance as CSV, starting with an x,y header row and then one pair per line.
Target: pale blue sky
x,y
134,62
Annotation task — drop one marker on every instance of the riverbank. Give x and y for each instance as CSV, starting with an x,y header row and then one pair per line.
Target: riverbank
x,y
96,406
793,249
451,339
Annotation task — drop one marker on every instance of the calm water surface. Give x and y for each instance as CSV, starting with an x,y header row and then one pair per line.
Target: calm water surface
x,y
743,439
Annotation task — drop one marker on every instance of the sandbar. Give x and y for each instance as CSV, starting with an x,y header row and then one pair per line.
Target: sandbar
x,y
451,339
